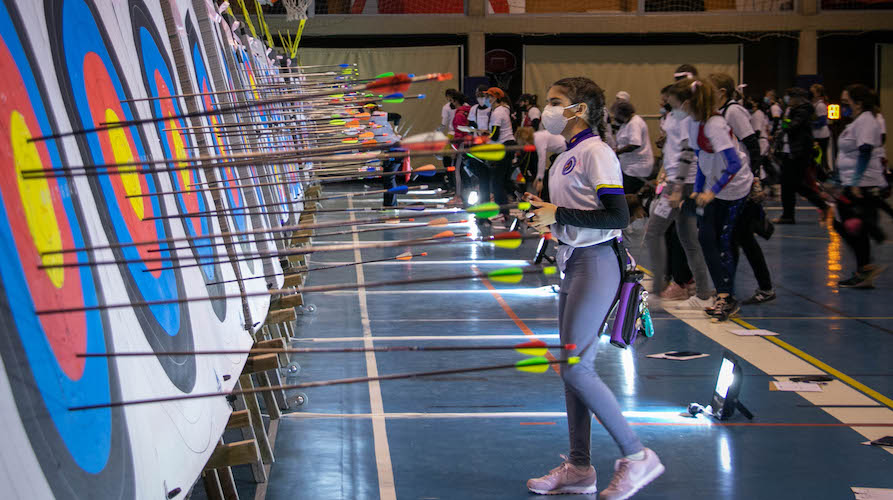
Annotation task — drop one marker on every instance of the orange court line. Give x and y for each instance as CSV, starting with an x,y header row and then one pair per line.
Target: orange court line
x,y
511,314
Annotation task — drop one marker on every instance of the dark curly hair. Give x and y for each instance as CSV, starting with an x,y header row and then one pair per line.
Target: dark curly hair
x,y
580,89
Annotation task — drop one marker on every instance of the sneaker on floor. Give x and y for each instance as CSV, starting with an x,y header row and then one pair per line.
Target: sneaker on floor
x,y
783,220
694,303
760,296
724,308
691,287
674,292
630,476
564,480
872,271
858,280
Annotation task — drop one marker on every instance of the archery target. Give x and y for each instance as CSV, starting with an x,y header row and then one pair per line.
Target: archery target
x,y
84,453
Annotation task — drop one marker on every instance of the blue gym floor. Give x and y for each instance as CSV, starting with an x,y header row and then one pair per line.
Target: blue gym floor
x,y
482,435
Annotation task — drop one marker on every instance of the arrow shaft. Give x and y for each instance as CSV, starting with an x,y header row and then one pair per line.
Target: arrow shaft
x,y
307,385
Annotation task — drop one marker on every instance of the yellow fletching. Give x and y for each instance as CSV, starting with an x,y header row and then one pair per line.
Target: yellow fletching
x,y
510,244
533,351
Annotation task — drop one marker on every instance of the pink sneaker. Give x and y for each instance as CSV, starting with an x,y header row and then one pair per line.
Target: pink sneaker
x,y
630,476
674,292
565,479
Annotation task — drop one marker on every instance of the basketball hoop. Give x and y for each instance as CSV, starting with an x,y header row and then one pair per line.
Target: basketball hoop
x,y
500,65
296,10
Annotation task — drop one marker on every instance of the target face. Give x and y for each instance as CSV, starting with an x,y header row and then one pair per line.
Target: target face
x,y
220,144
83,452
159,82
93,89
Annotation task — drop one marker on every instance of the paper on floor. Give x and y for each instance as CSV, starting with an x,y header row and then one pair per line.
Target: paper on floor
x,y
795,386
744,332
663,355
872,493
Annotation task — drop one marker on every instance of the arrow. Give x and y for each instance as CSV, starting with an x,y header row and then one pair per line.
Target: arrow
x,y
530,365
531,348
393,84
508,275
405,256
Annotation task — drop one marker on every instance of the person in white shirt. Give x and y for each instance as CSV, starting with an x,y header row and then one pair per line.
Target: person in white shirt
x,y
674,205
820,130
530,113
447,114
722,185
494,179
633,147
546,144
588,209
738,120
479,121
861,173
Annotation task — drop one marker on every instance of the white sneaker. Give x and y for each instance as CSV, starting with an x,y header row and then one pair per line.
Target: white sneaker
x,y
630,476
565,479
694,304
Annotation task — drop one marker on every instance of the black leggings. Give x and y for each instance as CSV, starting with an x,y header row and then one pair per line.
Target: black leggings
x,y
798,176
715,231
746,239
493,177
677,262
858,223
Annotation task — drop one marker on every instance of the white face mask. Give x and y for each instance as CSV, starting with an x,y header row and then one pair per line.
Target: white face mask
x,y
553,118
678,114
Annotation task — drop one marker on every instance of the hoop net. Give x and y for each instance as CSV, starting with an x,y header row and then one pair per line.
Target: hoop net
x,y
296,10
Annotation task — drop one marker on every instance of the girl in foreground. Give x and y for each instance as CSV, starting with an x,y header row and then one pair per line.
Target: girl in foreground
x,y
587,213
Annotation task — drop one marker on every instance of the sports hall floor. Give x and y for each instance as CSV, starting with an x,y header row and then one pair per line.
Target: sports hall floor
x,y
481,435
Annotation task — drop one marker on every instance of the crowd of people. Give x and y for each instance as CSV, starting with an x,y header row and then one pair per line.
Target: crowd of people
x,y
722,156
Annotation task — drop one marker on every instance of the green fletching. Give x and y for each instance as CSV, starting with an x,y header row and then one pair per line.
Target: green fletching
x,y
507,275
484,210
337,122
385,75
538,364
488,152
483,207
393,100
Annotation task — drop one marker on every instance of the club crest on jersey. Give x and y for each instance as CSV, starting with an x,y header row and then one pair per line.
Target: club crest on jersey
x,y
569,166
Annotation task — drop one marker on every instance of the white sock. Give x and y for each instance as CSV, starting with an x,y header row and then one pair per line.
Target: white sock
x,y
637,456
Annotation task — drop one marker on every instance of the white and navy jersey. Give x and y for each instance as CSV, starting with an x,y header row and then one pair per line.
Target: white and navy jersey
x,y
676,130
501,117
638,163
821,111
587,170
738,120
480,116
547,144
863,130
384,134
709,142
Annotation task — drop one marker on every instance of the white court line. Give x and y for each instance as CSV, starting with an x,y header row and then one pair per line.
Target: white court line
x,y
455,338
659,415
386,489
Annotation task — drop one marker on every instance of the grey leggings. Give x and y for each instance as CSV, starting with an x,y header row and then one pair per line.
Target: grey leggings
x,y
687,229
592,277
